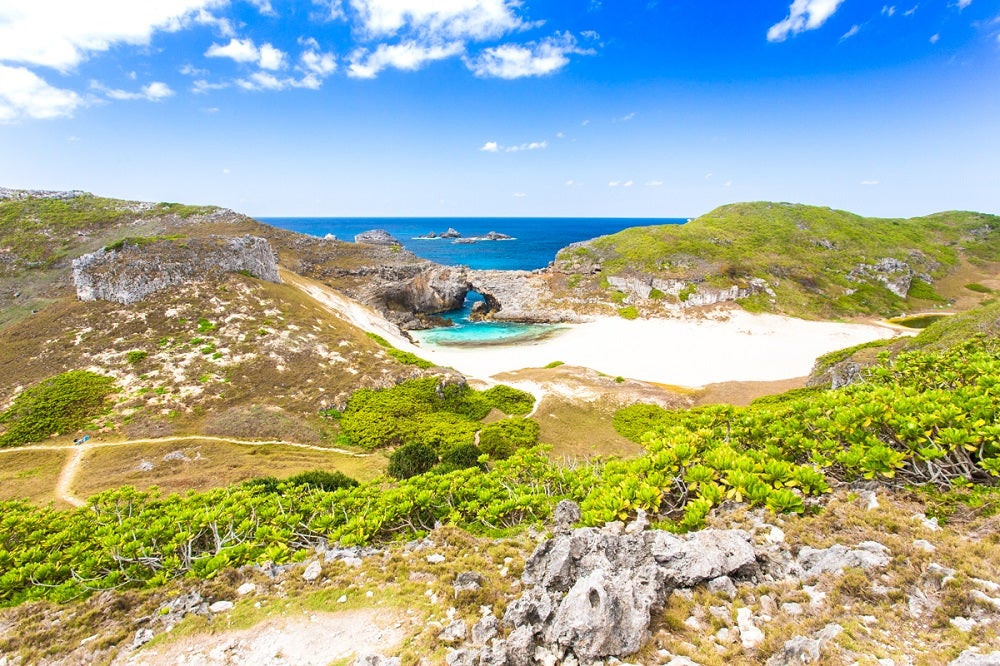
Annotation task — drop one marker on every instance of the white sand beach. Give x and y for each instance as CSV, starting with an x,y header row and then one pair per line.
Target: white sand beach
x,y
686,352
726,346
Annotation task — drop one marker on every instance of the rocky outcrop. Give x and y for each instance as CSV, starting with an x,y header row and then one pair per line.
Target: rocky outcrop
x,y
687,294
895,274
376,237
433,290
590,593
10,194
137,269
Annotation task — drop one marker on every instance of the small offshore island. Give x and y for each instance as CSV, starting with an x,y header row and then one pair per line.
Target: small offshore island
x,y
712,442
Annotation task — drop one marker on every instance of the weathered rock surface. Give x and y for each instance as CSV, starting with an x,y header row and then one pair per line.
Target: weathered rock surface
x,y
973,658
895,274
803,649
131,273
590,592
868,555
376,237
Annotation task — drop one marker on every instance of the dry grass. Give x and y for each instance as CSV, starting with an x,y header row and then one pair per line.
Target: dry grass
x,y
580,430
31,475
209,465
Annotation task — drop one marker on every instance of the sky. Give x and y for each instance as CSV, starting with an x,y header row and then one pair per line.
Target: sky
x,y
579,108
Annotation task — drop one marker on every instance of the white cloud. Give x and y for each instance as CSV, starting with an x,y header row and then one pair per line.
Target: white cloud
x,y
262,80
315,62
888,10
60,34
409,56
869,183
590,34
494,147
654,183
614,183
570,183
514,61
191,70
560,135
627,117
627,183
240,50
803,15
934,38
911,12
271,58
23,94
202,86
519,195
264,7
855,29
962,4
157,91
444,20
584,123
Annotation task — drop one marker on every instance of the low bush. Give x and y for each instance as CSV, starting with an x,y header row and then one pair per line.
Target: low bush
x,y
410,460
61,404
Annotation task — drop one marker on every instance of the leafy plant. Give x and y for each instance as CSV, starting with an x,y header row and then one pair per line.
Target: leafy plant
x,y
61,404
411,459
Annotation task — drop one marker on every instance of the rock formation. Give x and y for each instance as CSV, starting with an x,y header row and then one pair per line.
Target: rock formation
x,y
137,269
376,237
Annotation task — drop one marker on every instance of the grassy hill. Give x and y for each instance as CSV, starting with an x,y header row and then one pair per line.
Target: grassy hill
x,y
805,260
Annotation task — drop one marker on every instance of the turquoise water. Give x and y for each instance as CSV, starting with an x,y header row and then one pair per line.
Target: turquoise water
x,y
466,333
536,242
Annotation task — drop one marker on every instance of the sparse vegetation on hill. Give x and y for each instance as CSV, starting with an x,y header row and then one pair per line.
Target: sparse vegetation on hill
x,y
817,262
59,405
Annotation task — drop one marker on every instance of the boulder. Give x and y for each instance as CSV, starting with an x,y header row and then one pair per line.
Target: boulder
x,y
451,233
868,555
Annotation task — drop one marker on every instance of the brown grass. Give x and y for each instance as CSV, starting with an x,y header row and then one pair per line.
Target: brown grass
x,y
580,430
31,475
211,465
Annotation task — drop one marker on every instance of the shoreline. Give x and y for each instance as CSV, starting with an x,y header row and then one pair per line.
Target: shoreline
x,y
736,346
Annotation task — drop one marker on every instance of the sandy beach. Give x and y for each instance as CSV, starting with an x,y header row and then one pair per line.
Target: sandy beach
x,y
726,346
737,346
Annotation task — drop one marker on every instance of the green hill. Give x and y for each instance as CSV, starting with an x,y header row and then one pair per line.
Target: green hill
x,y
790,258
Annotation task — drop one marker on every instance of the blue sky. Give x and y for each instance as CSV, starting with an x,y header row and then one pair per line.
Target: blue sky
x,y
631,108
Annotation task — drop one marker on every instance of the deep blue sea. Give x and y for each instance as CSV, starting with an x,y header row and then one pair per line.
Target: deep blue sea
x,y
536,239
535,244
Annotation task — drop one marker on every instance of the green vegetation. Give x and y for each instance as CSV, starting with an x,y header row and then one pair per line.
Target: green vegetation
x,y
139,241
918,321
978,288
61,404
918,418
427,411
501,439
136,356
554,364
404,357
628,312
812,258
322,480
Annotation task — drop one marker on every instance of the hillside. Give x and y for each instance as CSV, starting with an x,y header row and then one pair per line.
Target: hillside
x,y
794,259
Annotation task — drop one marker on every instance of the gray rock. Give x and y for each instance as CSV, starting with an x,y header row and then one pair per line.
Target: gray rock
x,y
375,660
520,647
454,632
221,607
129,274
245,589
142,637
376,237
972,657
467,581
313,571
485,630
723,585
461,657
805,650
868,555
565,515
451,233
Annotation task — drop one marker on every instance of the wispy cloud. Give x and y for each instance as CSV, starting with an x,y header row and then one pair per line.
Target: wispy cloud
x,y
962,4
934,38
627,117
23,94
409,56
855,29
869,183
514,61
803,15
494,147
654,183
445,21
157,91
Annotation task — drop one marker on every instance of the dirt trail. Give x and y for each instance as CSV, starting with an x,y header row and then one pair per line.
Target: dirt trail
x,y
64,485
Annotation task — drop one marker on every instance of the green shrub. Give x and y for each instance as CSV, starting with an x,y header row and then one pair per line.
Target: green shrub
x,y
508,400
323,480
135,357
554,364
404,357
61,404
618,296
687,292
634,421
925,291
461,457
410,460
657,295
628,312
978,288
501,439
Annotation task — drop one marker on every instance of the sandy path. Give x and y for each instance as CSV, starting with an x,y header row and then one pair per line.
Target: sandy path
x,y
64,484
316,639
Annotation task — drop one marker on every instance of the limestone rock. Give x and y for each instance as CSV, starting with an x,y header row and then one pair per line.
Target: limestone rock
x,y
375,660
971,657
804,650
142,637
313,571
467,581
454,632
376,237
868,555
130,273
221,607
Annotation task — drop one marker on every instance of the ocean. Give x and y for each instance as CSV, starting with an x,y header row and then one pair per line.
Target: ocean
x,y
537,239
535,242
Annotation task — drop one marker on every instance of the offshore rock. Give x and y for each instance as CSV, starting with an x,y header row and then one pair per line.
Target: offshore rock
x,y
137,269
